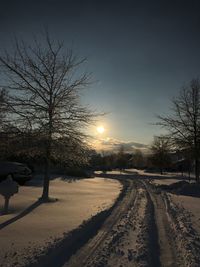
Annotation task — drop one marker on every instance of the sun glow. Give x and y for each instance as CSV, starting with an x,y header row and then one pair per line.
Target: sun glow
x,y
100,129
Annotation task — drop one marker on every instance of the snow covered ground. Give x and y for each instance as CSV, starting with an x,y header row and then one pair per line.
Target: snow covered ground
x,y
184,220
148,226
164,181
42,224
174,241
191,205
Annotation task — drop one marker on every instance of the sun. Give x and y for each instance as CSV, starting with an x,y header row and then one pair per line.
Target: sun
x,y
100,129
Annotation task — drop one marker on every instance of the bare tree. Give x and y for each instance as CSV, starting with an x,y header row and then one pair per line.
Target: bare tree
x,y
3,106
3,113
45,82
138,159
160,152
184,122
121,159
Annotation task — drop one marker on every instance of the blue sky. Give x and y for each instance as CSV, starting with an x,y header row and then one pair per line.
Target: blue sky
x,y
140,53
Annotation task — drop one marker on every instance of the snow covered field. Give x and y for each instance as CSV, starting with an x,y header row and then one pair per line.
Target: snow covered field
x,y
77,201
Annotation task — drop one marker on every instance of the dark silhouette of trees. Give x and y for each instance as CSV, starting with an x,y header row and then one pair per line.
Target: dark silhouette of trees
x,y
3,106
44,83
160,149
121,159
138,159
183,123
106,161
3,114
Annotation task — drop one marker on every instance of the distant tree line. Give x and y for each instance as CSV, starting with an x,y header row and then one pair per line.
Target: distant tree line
x,y
107,161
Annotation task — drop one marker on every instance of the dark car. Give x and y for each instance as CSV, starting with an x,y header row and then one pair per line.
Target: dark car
x,y
19,172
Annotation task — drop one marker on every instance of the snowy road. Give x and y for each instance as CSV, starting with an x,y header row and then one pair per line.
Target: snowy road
x,y
145,229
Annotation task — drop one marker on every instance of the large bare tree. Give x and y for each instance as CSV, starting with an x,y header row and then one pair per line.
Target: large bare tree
x,y
3,106
183,123
160,150
3,114
45,81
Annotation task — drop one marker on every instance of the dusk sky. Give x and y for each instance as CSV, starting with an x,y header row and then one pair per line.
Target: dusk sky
x,y
140,54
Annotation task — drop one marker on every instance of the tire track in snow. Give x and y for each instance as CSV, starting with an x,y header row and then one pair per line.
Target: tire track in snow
x,y
166,250
88,253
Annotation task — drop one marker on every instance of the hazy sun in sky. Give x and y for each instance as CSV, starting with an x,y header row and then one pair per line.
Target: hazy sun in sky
x,y
100,129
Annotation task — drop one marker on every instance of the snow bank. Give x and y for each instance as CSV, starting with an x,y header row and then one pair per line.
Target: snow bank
x,y
187,240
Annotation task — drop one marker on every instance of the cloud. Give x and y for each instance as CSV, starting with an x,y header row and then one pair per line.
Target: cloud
x,y
111,144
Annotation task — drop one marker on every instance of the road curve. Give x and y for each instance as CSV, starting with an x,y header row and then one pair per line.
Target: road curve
x,y
88,252
137,233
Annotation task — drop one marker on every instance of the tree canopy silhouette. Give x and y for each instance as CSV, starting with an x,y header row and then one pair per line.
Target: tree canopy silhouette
x,y
183,124
160,149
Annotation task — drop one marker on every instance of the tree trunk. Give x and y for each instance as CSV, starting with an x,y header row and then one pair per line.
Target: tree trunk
x,y
45,193
6,204
197,170
189,176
